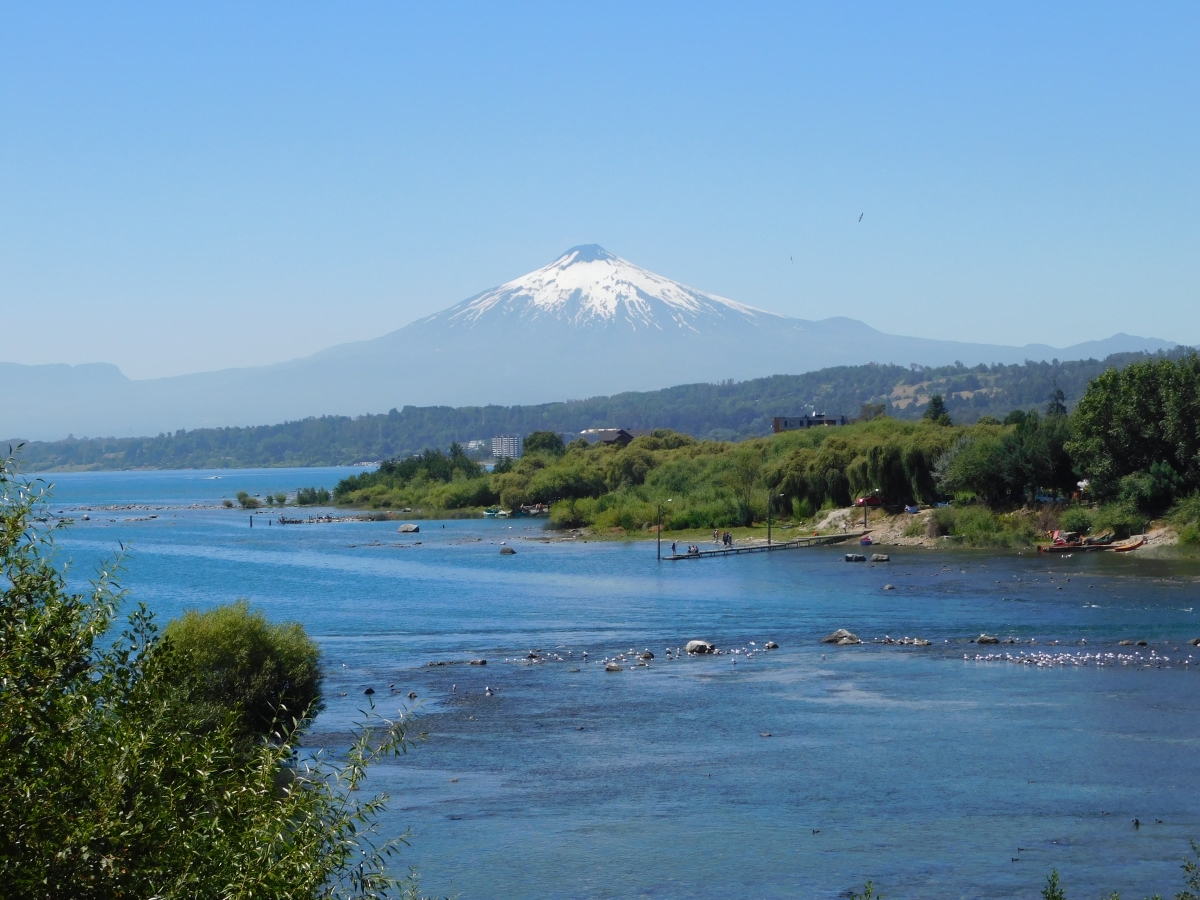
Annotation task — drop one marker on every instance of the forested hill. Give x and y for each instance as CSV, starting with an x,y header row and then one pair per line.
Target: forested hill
x,y
727,411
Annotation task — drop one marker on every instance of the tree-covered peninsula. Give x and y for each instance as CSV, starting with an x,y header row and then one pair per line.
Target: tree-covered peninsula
x,y
1130,451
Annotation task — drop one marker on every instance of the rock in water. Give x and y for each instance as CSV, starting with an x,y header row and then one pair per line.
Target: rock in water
x,y
613,667
507,551
889,587
880,557
841,636
700,647
855,557
479,662
1195,642
987,639
409,528
770,645
646,654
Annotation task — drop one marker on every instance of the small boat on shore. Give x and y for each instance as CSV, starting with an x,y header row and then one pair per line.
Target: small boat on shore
x,y
491,512
1127,545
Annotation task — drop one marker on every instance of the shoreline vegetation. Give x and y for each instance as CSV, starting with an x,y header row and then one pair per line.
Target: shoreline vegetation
x,y
1126,461
726,411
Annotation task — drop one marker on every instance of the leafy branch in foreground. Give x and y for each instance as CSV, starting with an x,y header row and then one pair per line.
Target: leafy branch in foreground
x,y
113,787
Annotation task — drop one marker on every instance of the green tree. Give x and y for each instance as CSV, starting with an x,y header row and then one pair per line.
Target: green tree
x,y
233,659
544,442
109,789
1057,404
744,476
1130,419
936,411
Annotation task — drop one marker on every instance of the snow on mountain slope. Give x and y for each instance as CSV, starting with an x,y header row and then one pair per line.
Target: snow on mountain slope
x,y
588,286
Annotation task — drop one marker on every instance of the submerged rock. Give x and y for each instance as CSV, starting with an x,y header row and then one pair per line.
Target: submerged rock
x,y
1195,642
1124,643
700,647
987,639
507,551
889,587
770,645
841,636
855,557
646,654
479,662
613,667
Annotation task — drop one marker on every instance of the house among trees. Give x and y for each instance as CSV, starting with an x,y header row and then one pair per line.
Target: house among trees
x,y
816,420
607,436
620,436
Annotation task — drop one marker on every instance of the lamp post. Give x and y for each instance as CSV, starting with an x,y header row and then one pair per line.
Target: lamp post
x,y
669,499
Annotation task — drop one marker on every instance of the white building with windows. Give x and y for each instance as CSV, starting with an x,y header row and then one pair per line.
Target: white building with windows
x,y
506,445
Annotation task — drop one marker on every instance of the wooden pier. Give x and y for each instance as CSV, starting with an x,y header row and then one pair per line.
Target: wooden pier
x,y
816,540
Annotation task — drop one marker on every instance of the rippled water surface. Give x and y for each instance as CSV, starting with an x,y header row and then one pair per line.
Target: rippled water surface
x,y
912,766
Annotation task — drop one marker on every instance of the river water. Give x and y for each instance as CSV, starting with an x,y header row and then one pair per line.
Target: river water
x,y
933,774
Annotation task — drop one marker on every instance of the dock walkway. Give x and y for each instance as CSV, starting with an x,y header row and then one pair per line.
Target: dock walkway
x,y
817,540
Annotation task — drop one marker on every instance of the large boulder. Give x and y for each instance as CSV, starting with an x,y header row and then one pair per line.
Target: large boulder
x,y
409,528
841,636
613,667
1195,642
987,639
770,645
700,647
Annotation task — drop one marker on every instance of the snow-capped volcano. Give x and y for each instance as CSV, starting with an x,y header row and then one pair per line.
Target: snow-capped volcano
x,y
588,324
589,286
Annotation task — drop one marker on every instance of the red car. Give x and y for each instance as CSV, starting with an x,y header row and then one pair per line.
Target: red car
x,y
870,500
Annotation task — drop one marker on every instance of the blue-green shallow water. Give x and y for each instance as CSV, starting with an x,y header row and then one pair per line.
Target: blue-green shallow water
x,y
919,770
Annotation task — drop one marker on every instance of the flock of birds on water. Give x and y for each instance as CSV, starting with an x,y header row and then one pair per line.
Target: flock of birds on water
x,y
1045,660
1042,659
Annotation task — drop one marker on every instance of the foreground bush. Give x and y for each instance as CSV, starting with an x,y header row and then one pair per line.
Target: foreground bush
x,y
108,789
230,658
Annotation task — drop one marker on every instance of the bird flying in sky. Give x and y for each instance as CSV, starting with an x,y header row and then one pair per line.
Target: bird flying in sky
x,y
860,215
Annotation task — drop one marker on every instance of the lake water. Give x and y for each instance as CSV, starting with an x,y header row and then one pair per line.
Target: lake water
x,y
911,766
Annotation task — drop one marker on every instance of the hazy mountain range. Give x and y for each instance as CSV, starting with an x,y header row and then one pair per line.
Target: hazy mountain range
x,y
588,324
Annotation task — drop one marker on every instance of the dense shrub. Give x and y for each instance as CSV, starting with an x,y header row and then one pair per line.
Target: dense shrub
x,y
1075,518
230,659
312,496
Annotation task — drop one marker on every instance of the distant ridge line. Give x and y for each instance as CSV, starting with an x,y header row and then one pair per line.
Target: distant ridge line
x,y
728,410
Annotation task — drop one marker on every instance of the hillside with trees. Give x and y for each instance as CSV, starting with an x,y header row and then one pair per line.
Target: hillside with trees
x,y
1130,452
725,411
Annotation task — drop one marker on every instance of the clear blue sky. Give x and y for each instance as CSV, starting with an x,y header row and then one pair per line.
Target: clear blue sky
x,y
192,188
